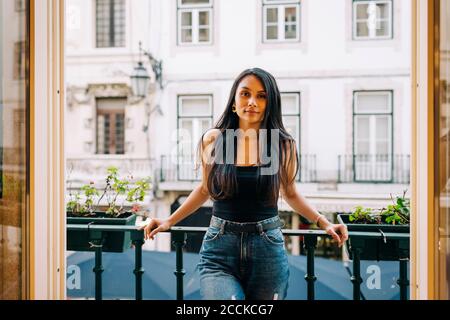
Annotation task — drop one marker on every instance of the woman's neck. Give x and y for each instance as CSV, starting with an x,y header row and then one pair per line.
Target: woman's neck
x,y
244,125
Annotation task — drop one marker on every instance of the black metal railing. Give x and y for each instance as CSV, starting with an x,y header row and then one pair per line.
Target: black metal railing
x,y
369,168
183,168
179,241
96,237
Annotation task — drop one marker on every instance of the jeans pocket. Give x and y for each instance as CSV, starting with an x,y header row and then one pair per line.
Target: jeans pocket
x,y
274,236
211,234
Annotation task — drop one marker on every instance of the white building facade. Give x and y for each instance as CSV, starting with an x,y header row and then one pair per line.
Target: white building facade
x,y
343,68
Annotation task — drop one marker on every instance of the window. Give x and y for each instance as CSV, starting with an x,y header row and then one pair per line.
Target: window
x,y
195,21
372,149
290,108
15,175
194,118
372,19
281,20
110,23
110,125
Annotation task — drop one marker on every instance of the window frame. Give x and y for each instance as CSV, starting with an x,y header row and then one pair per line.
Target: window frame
x,y
390,114
195,10
281,5
297,114
193,5
181,97
355,21
110,45
112,129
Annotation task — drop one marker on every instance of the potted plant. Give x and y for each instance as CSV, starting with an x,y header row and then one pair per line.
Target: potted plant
x,y
86,208
392,219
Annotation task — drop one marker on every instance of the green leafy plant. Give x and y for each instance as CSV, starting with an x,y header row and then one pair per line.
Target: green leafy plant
x,y
363,215
114,187
75,206
397,213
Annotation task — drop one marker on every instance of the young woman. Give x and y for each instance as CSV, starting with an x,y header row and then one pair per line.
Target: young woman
x,y
247,160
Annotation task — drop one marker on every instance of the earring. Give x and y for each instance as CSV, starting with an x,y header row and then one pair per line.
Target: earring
x,y
233,108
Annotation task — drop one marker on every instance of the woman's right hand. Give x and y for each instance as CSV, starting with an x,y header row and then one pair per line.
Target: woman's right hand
x,y
154,226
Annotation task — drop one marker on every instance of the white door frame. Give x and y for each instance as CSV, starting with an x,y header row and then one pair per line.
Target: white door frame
x,y
47,163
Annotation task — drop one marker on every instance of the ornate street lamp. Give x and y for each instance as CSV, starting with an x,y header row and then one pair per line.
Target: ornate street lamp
x,y
140,77
139,80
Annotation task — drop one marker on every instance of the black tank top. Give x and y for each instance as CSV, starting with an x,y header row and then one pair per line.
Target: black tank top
x,y
246,205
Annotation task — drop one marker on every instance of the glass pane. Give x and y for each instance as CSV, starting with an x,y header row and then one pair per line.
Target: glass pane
x,y
120,134
100,134
14,111
195,107
289,104
383,11
110,125
362,148
383,28
186,136
102,23
290,14
107,133
203,17
272,15
362,125
292,125
362,30
290,31
442,156
382,148
203,35
186,125
373,102
110,23
272,32
118,31
186,35
108,104
186,19
361,11
382,128
205,125
184,2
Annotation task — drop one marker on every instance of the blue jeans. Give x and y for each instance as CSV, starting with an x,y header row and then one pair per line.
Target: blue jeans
x,y
243,265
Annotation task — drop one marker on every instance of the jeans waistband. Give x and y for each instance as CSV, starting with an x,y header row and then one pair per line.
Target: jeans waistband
x,y
258,226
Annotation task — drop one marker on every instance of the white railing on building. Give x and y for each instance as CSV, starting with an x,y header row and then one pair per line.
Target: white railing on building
x,y
87,169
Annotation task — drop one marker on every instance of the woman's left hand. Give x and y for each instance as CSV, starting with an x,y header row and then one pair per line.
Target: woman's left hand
x,y
339,232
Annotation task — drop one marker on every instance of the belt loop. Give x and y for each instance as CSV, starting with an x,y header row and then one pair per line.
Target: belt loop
x,y
222,227
259,227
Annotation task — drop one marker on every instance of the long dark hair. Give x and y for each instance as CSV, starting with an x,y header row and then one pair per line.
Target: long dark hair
x,y
222,182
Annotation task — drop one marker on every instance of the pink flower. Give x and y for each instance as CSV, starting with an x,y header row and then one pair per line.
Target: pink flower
x,y
135,208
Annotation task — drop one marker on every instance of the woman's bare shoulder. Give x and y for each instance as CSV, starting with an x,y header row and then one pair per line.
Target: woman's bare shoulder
x,y
210,136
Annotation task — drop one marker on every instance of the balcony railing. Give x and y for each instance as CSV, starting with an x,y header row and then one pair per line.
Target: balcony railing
x,y
307,171
182,168
178,168
378,168
179,241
